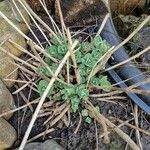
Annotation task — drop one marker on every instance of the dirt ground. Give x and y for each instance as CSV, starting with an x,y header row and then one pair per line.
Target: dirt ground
x,y
86,135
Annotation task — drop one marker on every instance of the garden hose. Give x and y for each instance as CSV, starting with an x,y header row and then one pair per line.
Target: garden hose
x,y
126,72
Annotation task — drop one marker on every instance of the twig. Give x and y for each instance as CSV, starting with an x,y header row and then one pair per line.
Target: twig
x,y
137,124
31,14
43,62
41,134
132,126
100,121
100,64
27,24
64,29
56,111
129,59
123,135
26,37
105,94
21,88
96,135
52,20
60,115
19,108
79,124
103,24
132,34
44,96
77,73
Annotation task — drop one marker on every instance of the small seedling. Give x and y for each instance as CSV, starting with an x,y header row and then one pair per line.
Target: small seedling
x,y
87,115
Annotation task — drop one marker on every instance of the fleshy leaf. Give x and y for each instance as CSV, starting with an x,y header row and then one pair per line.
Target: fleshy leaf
x,y
85,47
43,70
88,120
84,112
105,84
82,92
88,60
75,101
95,81
97,41
78,56
97,108
42,87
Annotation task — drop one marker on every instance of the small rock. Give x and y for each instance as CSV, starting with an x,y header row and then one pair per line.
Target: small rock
x,y
7,134
76,12
8,8
6,100
7,68
47,145
15,37
6,31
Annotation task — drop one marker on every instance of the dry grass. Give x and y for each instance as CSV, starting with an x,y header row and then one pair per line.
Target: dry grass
x,y
57,111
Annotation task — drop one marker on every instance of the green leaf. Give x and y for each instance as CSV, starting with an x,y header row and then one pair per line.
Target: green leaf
x,y
53,67
42,85
78,56
82,69
68,92
48,60
105,84
55,40
84,112
82,92
82,79
59,85
43,70
62,50
75,101
95,81
88,60
97,41
96,54
52,50
105,46
88,120
85,46
97,108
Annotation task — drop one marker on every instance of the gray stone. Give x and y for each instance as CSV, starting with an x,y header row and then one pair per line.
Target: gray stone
x,y
6,100
47,145
7,134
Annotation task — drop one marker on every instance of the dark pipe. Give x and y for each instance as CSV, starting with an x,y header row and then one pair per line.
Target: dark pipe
x,y
126,71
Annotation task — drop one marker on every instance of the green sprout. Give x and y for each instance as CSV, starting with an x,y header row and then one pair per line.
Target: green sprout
x,y
87,115
87,55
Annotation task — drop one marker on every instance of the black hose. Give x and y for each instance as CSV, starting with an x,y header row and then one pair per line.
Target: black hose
x,y
126,71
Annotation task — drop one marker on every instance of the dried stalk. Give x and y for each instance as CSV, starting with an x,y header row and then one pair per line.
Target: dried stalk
x,y
44,96
123,135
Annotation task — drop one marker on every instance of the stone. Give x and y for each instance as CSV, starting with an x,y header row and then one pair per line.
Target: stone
x,y
7,135
15,37
8,8
7,32
47,145
76,12
6,100
8,69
